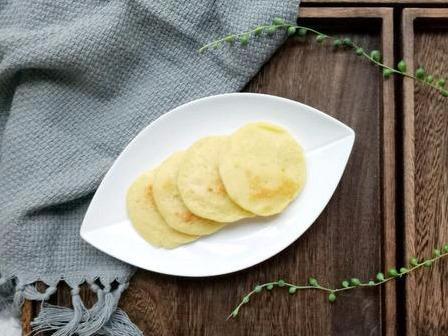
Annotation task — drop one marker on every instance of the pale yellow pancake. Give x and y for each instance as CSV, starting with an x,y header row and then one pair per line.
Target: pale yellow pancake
x,y
170,204
200,185
262,167
146,219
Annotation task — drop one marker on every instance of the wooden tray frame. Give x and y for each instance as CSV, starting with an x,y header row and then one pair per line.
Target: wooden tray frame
x,y
388,140
409,194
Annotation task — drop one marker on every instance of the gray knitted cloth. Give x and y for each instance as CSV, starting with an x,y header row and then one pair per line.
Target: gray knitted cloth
x,y
78,80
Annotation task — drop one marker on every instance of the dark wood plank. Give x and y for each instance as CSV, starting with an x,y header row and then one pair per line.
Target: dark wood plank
x,y
382,2
425,34
355,235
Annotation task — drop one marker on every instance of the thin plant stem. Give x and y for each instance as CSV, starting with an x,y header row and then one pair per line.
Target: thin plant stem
x,y
393,274
374,58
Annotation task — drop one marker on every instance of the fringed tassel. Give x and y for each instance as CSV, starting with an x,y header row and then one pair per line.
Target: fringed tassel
x,y
101,311
78,312
120,325
102,319
30,292
18,299
64,321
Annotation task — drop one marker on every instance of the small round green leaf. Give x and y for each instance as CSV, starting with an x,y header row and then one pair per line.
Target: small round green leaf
x,y
375,55
441,82
245,299
355,282
345,284
291,31
258,289
347,42
292,290
280,283
403,270
420,73
445,248
444,92
312,281
359,51
244,40
302,32
392,272
387,73
371,283
320,38
380,276
258,31
401,66
429,79
269,287
332,297
428,263
414,261
230,39
337,43
278,21
271,30
436,253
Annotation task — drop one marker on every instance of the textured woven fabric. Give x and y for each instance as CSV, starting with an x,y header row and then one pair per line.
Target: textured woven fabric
x,y
78,80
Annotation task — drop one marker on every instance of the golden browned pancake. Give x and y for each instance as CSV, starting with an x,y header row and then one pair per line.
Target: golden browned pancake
x,y
200,185
147,220
262,167
170,204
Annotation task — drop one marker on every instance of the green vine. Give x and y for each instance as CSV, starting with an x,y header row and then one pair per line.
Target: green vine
x,y
373,56
346,285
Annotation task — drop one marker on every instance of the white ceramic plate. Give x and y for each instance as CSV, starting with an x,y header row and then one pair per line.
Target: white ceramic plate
x,y
327,144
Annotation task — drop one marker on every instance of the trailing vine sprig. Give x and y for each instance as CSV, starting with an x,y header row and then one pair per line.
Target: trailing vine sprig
x,y
374,56
346,285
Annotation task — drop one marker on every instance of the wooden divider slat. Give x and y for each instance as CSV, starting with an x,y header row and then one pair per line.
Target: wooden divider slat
x,y
381,2
425,143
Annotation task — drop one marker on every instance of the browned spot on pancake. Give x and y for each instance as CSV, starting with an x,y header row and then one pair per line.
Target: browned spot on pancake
x,y
258,190
187,216
148,190
219,189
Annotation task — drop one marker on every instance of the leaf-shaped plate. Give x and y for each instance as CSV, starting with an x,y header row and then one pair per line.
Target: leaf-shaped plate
x,y
327,144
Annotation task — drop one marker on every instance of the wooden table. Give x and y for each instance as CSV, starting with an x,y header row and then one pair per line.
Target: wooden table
x,y
392,202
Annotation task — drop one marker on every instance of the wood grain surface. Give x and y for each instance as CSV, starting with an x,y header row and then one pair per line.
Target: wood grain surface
x,y
426,175
372,2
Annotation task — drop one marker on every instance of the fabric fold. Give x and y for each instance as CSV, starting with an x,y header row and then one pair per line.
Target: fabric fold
x,y
78,80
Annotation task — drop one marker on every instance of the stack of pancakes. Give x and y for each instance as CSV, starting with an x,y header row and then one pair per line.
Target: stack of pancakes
x,y
257,170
